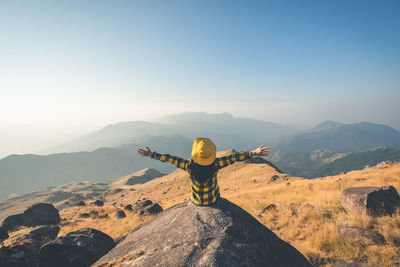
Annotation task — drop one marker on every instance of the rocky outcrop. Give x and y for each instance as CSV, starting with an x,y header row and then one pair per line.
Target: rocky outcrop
x,y
25,249
190,235
79,248
361,236
373,201
37,214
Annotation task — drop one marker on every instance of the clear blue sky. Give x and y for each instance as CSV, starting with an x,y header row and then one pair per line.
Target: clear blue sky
x,y
67,67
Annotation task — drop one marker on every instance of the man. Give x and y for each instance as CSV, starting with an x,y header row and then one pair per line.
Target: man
x,y
203,167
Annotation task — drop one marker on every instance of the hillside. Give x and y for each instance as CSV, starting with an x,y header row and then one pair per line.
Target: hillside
x,y
310,154
341,138
321,162
24,173
306,213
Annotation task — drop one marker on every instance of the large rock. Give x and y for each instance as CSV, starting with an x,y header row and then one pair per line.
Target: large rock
x,y
24,250
45,233
79,248
37,214
361,236
20,253
373,201
190,235
13,221
41,214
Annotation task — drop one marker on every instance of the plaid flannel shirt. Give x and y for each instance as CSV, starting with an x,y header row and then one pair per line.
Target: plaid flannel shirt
x,y
206,193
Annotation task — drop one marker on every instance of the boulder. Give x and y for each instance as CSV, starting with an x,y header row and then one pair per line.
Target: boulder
x,y
12,222
188,235
152,209
128,207
120,214
79,204
139,205
24,251
98,203
44,233
3,234
372,201
361,236
147,207
79,248
41,214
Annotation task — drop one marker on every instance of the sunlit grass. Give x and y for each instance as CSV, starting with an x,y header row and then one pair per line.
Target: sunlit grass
x,y
307,212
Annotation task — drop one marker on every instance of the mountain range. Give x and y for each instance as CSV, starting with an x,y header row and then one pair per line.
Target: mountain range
x,y
110,152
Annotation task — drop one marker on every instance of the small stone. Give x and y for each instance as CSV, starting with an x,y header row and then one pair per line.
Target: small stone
x,y
273,178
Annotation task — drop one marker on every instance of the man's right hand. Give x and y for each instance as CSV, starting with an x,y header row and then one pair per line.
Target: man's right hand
x,y
145,152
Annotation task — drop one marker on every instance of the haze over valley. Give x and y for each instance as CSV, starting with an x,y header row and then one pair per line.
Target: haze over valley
x,y
326,149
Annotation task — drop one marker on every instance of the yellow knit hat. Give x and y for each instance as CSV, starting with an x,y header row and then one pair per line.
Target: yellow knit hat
x,y
203,151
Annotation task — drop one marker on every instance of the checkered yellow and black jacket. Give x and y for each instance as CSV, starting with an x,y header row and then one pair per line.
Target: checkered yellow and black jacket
x,y
204,189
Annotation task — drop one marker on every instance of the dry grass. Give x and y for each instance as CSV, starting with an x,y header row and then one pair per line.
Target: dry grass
x,y
312,229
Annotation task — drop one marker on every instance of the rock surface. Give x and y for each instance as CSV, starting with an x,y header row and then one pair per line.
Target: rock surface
x,y
79,248
37,214
190,235
12,222
20,253
3,234
362,236
41,214
25,249
373,201
44,233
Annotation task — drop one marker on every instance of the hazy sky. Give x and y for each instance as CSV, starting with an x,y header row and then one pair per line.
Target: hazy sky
x,y
71,67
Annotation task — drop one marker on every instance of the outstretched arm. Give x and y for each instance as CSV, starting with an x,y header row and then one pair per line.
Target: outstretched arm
x,y
261,151
227,160
178,162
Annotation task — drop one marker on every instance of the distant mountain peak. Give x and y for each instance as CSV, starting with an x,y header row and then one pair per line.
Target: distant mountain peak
x,y
328,126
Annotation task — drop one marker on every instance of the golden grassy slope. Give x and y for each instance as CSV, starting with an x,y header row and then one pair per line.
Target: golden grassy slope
x,y
312,231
